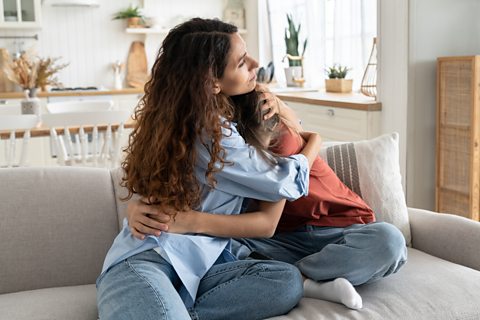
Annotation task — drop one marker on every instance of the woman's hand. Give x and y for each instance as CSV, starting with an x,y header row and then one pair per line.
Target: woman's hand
x,y
271,105
145,219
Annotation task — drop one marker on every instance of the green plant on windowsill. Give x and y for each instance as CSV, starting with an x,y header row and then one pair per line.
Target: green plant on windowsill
x,y
336,81
337,72
133,16
292,42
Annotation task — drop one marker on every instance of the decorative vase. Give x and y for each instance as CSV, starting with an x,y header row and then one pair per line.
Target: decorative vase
x,y
338,85
369,80
294,77
31,104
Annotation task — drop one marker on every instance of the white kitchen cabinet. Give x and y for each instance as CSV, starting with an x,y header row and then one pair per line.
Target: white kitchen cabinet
x,y
20,14
127,101
338,124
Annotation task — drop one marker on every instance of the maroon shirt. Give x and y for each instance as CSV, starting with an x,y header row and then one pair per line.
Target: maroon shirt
x,y
329,202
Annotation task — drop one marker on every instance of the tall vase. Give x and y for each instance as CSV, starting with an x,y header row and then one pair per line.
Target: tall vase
x,y
31,104
369,80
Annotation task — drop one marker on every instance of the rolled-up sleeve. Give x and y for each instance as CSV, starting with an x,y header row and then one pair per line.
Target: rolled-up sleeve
x,y
251,176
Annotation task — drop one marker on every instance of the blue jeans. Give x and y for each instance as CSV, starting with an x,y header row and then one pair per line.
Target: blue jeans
x,y
145,287
361,253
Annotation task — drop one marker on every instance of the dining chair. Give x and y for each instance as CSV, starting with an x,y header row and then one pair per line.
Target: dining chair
x,y
80,106
9,123
87,138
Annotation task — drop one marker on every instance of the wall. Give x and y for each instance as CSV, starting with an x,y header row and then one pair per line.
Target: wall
x,y
392,83
90,41
436,28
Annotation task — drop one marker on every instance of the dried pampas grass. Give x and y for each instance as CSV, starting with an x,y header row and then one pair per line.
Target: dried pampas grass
x,y
31,73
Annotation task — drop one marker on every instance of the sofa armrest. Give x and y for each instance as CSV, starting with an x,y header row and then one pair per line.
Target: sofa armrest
x,y
446,236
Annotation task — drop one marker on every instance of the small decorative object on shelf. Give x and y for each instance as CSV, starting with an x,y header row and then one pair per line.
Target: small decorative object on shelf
x,y
294,73
336,81
133,15
234,13
369,80
117,71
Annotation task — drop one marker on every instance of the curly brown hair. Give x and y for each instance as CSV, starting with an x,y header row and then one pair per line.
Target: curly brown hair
x,y
179,110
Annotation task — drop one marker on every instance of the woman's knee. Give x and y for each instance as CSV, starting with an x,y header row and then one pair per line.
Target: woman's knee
x,y
390,241
288,281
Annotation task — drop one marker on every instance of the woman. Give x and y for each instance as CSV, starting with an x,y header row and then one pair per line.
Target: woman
x,y
327,234
185,153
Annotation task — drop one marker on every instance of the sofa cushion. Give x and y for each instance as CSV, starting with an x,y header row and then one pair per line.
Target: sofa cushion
x,y
371,168
425,288
56,227
72,303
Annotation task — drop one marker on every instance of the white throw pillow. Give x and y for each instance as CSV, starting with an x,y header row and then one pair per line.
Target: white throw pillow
x,y
371,168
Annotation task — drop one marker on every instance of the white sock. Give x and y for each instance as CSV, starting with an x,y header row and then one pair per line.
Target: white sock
x,y
338,290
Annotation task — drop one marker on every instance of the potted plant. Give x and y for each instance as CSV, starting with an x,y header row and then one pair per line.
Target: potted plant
x,y
134,17
336,81
31,73
294,73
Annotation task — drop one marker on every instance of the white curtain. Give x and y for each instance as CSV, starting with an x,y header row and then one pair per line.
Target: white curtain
x,y
338,32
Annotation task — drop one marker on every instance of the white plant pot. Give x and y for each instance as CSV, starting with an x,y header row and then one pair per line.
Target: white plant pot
x,y
292,73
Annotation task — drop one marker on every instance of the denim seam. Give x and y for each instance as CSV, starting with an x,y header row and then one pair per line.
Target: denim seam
x,y
263,269
222,285
157,295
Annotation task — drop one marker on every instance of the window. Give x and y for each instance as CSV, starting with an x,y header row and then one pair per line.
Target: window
x,y
338,31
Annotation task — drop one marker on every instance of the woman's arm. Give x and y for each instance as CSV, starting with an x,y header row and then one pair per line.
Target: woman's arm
x,y
152,219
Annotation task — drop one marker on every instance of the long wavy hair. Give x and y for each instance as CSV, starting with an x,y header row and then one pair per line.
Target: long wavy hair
x,y
178,110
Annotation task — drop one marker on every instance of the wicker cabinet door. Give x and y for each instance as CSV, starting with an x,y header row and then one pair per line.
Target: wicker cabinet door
x,y
458,150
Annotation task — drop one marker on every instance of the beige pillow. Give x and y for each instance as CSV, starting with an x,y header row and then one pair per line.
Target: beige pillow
x,y
371,168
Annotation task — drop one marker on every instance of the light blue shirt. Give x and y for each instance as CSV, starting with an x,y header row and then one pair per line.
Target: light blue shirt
x,y
250,176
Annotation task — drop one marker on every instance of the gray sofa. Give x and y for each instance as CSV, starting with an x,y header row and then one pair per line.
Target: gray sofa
x,y
57,224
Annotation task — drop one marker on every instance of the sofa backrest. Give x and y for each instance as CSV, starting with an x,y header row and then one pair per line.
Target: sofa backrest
x,y
56,226
121,193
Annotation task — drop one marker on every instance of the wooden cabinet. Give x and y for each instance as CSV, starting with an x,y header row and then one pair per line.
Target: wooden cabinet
x,y
336,123
335,116
17,14
458,136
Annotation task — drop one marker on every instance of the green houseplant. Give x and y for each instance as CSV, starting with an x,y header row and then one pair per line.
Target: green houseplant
x,y
294,73
336,81
292,42
133,15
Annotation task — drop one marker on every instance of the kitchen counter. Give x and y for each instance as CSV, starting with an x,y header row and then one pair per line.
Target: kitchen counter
x,y
19,95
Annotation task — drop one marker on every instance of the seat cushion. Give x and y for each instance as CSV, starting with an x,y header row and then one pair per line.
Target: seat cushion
x,y
73,303
425,288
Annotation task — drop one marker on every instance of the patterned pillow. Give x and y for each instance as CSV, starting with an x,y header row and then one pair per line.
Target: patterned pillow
x,y
371,169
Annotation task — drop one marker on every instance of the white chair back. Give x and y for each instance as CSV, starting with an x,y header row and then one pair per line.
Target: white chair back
x,y
10,123
79,106
94,144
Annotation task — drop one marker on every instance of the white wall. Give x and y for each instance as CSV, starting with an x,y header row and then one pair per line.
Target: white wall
x,y
91,41
436,28
87,38
392,44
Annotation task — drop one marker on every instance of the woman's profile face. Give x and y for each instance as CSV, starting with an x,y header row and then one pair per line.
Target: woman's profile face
x,y
241,72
